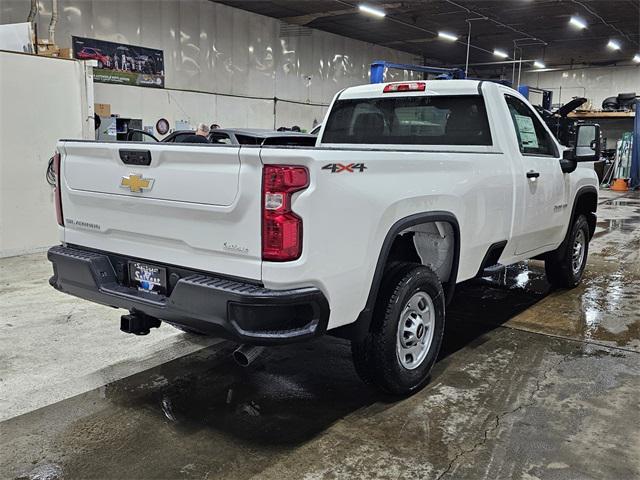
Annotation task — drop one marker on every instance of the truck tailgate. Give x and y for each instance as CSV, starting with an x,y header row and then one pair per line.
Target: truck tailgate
x,y
195,206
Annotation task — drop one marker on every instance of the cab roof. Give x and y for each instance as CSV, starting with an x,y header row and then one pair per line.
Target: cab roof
x,y
433,87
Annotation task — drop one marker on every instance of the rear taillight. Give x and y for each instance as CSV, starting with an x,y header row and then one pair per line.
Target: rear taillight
x,y
281,228
405,87
57,192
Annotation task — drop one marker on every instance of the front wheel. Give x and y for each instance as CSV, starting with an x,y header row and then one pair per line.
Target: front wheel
x,y
406,331
565,266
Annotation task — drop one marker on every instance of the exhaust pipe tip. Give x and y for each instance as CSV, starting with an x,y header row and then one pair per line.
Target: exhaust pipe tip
x,y
244,355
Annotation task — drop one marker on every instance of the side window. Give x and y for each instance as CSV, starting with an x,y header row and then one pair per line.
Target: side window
x,y
218,137
180,137
532,136
247,140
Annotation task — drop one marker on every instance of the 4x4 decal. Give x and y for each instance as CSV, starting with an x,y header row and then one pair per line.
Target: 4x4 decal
x,y
349,168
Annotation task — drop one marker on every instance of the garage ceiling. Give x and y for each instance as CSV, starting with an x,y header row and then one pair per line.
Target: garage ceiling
x,y
540,27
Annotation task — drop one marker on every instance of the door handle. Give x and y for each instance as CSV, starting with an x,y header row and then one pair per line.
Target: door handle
x,y
532,174
135,157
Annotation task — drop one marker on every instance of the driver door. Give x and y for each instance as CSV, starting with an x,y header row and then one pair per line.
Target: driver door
x,y
541,184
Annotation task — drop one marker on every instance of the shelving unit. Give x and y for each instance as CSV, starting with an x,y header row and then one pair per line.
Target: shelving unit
x,y
613,124
602,115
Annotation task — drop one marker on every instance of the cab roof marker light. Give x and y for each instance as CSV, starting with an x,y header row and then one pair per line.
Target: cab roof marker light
x,y
636,58
500,53
405,87
447,36
578,22
613,45
372,11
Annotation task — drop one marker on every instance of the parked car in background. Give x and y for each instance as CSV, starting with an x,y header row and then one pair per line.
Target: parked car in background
x,y
236,136
254,136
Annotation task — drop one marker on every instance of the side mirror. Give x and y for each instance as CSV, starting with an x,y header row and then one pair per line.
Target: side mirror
x,y
588,143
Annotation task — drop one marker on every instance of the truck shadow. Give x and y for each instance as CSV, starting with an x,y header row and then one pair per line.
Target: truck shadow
x,y
292,393
486,303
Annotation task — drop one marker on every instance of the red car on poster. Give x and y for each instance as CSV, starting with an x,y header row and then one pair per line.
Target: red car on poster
x,y
88,53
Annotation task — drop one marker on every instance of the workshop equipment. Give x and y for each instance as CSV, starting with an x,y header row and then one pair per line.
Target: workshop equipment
x,y
547,95
622,166
634,178
378,67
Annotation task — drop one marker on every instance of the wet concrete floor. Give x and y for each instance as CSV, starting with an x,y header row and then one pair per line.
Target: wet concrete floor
x,y
531,383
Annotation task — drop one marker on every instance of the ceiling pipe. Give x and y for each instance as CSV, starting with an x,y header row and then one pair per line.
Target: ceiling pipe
x,y
466,63
54,21
605,22
497,22
32,13
411,25
503,62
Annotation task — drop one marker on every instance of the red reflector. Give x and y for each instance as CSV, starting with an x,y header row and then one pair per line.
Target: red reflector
x,y
281,228
282,237
405,87
57,192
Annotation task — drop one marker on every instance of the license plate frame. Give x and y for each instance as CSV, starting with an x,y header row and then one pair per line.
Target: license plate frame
x,y
148,278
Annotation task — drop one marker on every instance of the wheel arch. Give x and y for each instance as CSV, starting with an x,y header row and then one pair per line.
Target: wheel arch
x,y
360,327
585,202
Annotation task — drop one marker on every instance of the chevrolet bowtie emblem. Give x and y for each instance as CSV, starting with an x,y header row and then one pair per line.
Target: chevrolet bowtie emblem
x,y
136,183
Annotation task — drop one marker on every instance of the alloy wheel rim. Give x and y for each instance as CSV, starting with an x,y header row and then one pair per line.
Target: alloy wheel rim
x,y
415,330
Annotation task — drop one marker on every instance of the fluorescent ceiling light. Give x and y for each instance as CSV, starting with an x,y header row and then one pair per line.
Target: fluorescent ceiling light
x,y
538,64
372,11
636,58
500,53
613,45
578,22
447,36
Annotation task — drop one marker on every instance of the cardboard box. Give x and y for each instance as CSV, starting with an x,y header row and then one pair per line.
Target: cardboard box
x,y
65,53
102,109
48,50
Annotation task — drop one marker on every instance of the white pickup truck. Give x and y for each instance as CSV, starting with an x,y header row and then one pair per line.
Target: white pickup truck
x,y
411,188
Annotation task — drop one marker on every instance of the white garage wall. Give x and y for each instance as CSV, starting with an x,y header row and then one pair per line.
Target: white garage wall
x,y
297,114
193,107
213,48
33,116
595,84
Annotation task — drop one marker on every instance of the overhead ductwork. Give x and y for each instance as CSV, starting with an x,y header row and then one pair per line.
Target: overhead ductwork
x,y
33,11
54,21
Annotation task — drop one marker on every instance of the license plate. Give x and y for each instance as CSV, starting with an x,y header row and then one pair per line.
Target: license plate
x,y
148,278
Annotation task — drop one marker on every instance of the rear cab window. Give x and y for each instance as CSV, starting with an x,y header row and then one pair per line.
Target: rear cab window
x,y
409,120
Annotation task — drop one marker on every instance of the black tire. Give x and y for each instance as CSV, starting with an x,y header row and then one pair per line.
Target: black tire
x,y
376,357
560,265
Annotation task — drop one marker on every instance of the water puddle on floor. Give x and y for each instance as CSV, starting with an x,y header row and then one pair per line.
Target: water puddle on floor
x,y
604,308
625,212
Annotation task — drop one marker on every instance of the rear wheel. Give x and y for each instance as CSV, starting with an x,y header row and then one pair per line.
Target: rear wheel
x,y
406,331
565,266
